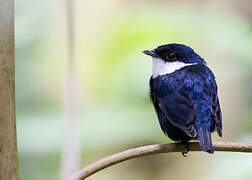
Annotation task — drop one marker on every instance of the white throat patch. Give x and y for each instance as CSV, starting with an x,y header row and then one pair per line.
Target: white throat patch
x,y
159,67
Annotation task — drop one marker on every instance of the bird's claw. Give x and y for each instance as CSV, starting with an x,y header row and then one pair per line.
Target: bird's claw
x,y
185,153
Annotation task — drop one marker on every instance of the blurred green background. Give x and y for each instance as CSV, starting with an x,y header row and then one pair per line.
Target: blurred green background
x,y
100,105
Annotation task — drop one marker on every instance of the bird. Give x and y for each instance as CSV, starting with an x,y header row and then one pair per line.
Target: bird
x,y
184,94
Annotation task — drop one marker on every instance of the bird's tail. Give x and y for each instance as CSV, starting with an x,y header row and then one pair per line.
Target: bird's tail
x,y
205,140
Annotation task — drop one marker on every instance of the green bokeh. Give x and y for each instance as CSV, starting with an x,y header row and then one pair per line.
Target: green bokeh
x,y
112,75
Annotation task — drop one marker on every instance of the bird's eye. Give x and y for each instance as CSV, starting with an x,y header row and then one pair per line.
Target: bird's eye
x,y
171,55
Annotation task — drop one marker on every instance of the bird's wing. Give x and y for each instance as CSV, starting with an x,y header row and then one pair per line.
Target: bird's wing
x,y
180,112
216,114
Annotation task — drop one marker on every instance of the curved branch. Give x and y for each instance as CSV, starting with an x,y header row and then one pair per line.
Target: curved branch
x,y
154,149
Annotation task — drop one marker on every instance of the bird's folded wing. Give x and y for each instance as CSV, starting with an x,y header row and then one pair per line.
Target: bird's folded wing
x,y
216,114
179,111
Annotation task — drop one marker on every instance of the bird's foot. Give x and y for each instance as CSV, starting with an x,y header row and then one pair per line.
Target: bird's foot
x,y
185,153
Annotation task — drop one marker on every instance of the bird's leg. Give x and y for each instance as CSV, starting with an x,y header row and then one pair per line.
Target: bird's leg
x,y
184,153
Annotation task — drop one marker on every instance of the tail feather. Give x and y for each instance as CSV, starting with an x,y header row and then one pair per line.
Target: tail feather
x,y
205,140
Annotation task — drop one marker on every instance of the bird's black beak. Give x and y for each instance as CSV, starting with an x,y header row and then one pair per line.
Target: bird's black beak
x,y
150,53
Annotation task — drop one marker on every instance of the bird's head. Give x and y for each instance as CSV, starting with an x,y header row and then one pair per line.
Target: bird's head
x,y
171,57
175,53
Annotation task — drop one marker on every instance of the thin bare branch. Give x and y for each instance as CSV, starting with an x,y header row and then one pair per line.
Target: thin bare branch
x,y
154,149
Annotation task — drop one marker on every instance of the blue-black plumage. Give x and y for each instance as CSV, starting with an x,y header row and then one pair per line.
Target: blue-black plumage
x,y
184,95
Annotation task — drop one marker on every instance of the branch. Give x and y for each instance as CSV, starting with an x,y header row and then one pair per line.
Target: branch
x,y
154,149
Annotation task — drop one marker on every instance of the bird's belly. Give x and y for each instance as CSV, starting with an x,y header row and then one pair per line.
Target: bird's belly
x,y
172,131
